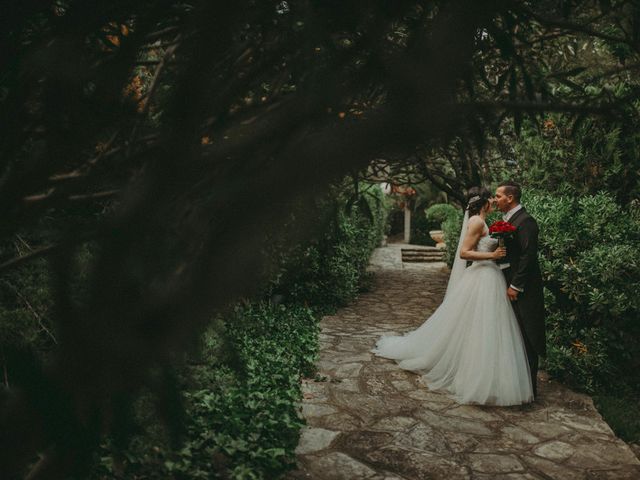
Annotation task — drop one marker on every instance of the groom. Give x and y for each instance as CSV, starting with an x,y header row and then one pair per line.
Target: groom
x,y
522,273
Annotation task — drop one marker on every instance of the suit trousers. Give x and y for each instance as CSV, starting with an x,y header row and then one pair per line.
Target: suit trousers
x,y
532,355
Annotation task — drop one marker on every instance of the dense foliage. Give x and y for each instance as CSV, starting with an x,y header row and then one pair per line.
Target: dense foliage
x,y
590,263
594,156
420,228
190,131
239,411
328,271
24,311
421,224
241,392
583,190
450,220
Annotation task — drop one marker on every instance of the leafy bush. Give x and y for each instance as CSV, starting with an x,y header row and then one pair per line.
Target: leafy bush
x,y
244,418
619,410
440,212
328,271
582,179
241,398
590,263
420,228
450,219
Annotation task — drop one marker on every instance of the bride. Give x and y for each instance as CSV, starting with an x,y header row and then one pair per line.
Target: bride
x,y
471,346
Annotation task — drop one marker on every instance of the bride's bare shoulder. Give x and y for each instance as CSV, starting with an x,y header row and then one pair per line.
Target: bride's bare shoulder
x,y
476,223
476,220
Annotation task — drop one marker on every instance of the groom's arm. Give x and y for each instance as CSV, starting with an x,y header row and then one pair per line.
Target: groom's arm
x,y
528,240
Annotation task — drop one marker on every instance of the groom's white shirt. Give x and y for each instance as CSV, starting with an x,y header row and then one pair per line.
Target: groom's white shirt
x,y
506,217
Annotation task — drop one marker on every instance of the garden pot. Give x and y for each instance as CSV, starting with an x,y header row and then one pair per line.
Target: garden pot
x,y
438,237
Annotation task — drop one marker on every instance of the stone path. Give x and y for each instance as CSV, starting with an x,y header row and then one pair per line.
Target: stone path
x,y
368,419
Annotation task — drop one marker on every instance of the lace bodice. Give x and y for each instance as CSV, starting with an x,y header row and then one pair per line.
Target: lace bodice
x,y
487,243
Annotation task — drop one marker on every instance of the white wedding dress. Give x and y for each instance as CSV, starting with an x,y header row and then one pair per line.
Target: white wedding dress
x,y
471,347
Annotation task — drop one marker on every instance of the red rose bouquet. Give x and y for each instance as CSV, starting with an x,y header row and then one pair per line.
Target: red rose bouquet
x,y
501,230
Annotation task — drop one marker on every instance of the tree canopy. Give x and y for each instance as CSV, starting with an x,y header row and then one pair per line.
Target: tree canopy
x,y
174,137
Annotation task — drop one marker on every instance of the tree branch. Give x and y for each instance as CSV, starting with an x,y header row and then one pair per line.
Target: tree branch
x,y
577,27
43,251
541,107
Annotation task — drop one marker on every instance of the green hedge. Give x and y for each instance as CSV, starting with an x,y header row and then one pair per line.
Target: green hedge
x,y
590,263
583,180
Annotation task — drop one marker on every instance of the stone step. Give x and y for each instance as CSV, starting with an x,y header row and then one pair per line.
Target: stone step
x,y
415,255
422,260
422,249
425,253
426,257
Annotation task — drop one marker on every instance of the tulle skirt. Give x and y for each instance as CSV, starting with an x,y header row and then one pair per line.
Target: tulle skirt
x,y
472,346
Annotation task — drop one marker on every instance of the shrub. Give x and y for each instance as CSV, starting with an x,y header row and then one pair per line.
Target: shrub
x,y
244,417
440,212
241,398
589,260
581,180
618,411
426,194
254,420
450,218
328,271
420,228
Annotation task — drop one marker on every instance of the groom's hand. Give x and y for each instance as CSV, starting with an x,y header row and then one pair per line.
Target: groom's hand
x,y
512,294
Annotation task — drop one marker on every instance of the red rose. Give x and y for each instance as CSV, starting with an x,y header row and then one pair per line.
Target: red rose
x,y
501,227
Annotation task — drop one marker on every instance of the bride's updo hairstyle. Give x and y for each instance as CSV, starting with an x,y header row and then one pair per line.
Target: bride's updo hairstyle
x,y
477,198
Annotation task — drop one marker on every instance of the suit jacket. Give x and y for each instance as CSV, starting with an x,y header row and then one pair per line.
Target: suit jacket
x,y
524,273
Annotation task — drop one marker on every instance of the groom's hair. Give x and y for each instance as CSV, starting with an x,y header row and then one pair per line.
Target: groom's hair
x,y
512,188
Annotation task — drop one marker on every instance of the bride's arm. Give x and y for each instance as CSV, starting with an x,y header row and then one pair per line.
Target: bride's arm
x,y
471,239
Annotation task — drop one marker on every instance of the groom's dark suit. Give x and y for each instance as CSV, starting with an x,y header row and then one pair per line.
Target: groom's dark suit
x,y
524,274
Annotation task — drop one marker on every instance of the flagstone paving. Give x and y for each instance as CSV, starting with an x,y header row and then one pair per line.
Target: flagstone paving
x,y
368,419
